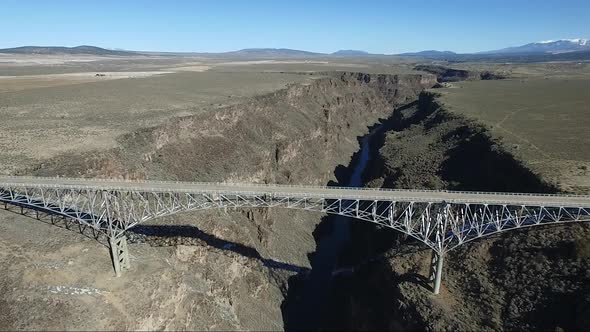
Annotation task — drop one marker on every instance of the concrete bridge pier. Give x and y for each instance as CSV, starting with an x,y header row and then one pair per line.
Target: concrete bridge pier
x,y
119,254
436,267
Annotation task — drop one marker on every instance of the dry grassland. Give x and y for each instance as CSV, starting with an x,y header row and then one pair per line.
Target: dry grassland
x,y
544,121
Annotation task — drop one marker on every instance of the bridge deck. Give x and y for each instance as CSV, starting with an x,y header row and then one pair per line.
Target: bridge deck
x,y
303,191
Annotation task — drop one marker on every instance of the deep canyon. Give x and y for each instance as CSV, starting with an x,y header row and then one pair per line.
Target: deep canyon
x,y
271,269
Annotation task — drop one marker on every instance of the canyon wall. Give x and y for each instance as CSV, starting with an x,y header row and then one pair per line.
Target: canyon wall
x,y
529,279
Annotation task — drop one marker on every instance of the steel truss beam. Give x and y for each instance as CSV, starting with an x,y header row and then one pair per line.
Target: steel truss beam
x,y
440,226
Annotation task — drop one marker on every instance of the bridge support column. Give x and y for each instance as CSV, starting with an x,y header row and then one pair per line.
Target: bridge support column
x,y
119,254
436,271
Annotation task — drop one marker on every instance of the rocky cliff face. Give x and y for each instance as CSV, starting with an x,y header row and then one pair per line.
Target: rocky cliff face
x,y
295,135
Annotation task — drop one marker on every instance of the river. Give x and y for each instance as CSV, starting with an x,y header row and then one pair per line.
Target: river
x,y
314,292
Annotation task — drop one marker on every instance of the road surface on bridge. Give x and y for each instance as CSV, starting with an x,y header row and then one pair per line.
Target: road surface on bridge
x,y
430,196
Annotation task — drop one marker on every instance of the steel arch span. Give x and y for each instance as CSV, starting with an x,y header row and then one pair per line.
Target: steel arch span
x,y
441,220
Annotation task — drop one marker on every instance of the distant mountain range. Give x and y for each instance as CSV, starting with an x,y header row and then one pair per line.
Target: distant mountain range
x,y
83,49
270,52
547,47
351,53
429,53
287,52
563,49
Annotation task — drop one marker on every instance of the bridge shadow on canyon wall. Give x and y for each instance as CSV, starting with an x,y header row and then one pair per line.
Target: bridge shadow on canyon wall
x,y
155,235
161,235
55,219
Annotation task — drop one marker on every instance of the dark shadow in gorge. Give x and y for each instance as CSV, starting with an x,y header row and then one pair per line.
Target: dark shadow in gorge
x,y
309,302
480,164
304,305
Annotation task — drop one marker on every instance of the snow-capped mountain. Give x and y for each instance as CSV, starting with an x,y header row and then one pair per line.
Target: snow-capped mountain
x,y
548,46
579,41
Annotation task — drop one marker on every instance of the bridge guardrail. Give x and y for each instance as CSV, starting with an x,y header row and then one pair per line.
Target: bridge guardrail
x,y
262,185
313,195
377,198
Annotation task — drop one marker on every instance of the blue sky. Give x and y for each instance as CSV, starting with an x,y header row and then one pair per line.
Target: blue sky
x,y
321,26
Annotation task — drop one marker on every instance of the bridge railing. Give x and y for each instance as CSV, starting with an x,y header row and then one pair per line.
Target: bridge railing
x,y
276,192
263,185
369,198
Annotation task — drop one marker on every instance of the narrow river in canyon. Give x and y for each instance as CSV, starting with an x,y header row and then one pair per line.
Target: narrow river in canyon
x,y
313,292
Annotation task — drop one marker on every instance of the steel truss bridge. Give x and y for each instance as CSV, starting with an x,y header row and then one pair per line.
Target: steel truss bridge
x,y
442,220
